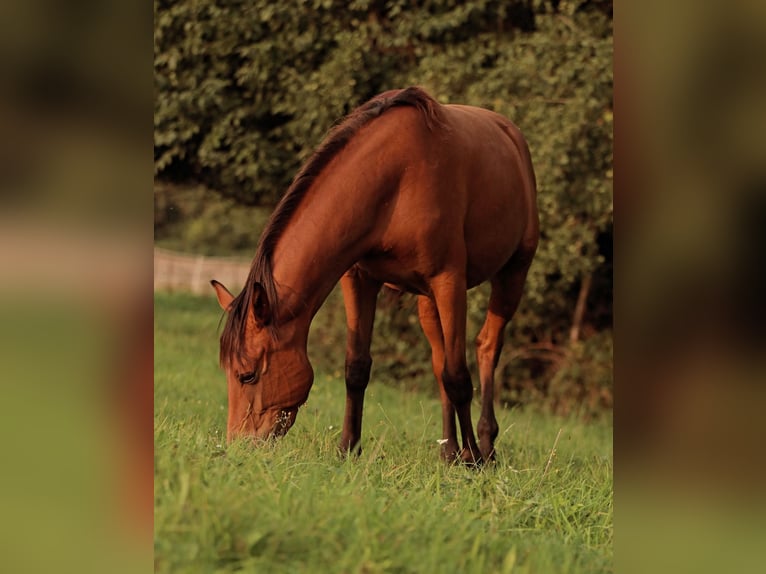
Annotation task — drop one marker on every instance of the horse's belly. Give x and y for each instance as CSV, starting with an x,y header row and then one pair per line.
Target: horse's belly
x,y
491,241
479,271
399,275
394,274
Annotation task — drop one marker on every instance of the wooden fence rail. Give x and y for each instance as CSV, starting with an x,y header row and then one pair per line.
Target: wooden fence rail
x,y
175,271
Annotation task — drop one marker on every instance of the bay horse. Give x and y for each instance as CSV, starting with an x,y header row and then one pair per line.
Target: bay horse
x,y
426,198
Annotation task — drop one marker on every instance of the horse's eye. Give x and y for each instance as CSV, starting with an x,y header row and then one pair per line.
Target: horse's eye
x,y
248,378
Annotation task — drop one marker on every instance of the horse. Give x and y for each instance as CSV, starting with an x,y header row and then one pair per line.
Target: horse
x,y
405,192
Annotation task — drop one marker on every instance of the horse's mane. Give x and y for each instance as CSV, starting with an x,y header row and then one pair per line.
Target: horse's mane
x,y
260,280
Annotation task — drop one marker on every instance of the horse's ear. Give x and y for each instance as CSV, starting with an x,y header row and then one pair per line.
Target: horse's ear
x,y
224,296
261,306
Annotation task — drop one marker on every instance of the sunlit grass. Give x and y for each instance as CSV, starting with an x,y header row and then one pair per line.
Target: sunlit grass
x,y
295,505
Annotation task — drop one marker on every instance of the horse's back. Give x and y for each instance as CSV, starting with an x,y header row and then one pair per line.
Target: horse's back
x,y
465,197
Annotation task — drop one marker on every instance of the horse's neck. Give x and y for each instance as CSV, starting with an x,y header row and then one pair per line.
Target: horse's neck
x,y
324,238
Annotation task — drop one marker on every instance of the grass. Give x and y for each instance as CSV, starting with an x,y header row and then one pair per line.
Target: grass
x,y
295,506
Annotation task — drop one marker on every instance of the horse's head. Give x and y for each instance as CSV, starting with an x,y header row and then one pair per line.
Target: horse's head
x,y
268,372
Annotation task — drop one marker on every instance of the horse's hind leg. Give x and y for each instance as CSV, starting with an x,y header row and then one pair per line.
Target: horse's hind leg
x,y
359,296
449,292
429,321
507,287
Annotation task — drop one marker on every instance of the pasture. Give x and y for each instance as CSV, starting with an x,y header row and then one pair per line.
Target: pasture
x,y
296,506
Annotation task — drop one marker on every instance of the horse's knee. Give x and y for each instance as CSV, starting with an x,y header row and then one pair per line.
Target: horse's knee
x,y
358,373
458,386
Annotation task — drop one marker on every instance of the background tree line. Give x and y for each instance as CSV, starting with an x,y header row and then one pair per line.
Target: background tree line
x,y
244,91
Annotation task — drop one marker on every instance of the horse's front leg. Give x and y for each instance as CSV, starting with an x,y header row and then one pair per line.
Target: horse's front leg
x,y
429,321
360,294
449,293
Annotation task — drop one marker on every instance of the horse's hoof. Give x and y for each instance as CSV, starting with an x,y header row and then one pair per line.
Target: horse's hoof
x,y
449,453
488,455
353,452
471,459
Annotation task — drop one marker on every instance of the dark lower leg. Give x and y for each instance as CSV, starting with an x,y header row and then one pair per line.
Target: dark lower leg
x,y
460,391
359,295
449,445
357,377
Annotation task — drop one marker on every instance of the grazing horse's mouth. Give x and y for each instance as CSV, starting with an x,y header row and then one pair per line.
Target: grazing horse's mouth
x,y
276,423
284,420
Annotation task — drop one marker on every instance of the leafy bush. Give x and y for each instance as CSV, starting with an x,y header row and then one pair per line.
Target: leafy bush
x,y
196,220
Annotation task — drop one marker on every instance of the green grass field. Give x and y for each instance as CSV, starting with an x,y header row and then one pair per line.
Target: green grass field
x,y
295,506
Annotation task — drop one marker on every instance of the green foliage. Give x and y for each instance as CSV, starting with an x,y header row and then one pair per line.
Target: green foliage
x,y
246,90
579,381
196,220
545,506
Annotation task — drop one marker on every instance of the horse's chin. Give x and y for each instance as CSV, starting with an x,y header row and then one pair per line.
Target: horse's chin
x,y
275,424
